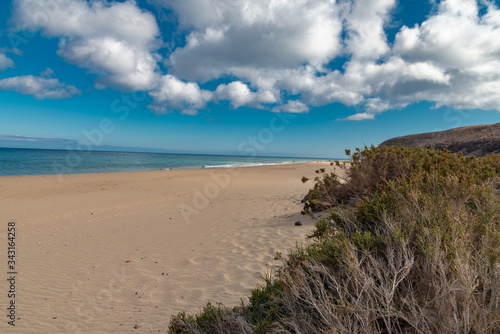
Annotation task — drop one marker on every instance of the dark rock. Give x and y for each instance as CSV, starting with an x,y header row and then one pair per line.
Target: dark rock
x,y
298,223
305,199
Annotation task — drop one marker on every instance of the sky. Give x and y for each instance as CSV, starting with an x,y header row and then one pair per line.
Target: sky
x,y
296,78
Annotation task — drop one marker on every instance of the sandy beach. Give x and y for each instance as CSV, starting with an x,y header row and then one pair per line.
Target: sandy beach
x,y
122,252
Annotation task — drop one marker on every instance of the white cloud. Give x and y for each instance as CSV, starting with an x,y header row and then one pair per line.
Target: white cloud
x,y
293,106
464,47
450,39
275,49
254,34
270,51
360,117
176,94
365,25
190,112
114,40
119,64
452,58
5,62
40,88
239,94
48,73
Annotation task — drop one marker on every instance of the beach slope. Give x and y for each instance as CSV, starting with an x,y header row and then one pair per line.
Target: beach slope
x,y
121,252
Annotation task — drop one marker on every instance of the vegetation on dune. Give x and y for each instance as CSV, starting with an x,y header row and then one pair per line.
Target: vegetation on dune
x,y
411,245
371,169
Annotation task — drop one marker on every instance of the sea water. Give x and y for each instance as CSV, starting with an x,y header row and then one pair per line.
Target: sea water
x,y
15,161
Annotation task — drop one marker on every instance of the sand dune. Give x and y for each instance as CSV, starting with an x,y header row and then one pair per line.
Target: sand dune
x,y
104,253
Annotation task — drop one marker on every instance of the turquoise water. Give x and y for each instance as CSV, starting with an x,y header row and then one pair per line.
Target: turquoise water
x,y
44,162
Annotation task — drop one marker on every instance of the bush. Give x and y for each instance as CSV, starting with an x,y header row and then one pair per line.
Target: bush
x,y
411,245
370,170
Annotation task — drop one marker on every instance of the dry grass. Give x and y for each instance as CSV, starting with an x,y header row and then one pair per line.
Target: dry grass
x,y
418,252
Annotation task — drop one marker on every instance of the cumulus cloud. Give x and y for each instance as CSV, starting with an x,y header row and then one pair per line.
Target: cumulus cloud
x,y
176,94
462,44
365,20
293,106
452,58
265,52
119,64
5,62
114,40
269,51
237,92
254,34
40,87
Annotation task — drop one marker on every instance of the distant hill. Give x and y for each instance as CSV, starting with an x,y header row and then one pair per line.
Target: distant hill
x,y
478,140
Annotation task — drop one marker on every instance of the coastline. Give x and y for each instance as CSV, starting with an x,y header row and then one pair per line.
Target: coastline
x,y
105,252
62,162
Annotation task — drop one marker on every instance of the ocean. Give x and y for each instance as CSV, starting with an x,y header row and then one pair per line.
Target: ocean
x,y
15,161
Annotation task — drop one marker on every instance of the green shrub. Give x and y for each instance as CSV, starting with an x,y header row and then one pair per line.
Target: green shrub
x,y
411,245
371,169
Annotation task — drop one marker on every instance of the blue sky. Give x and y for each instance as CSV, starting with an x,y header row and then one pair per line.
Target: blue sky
x,y
304,78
